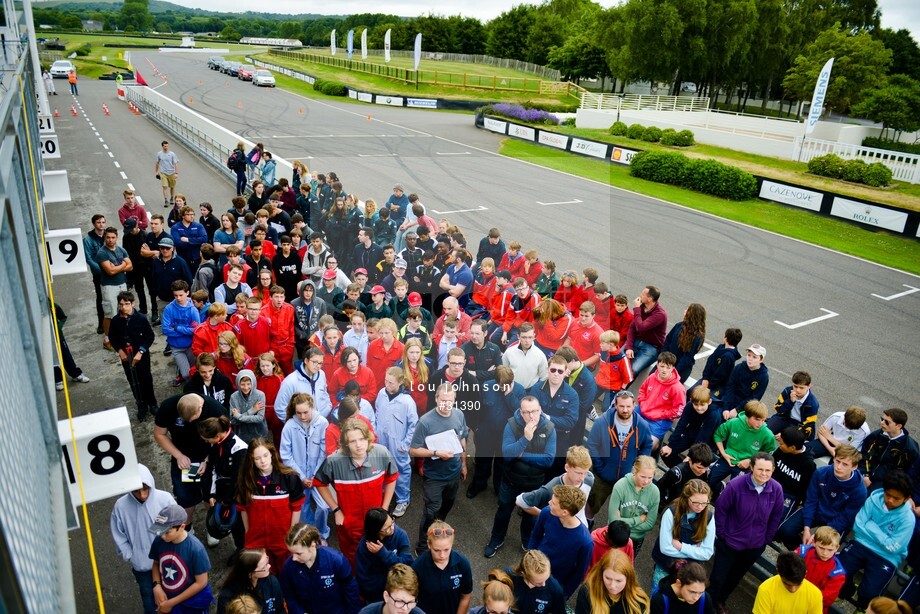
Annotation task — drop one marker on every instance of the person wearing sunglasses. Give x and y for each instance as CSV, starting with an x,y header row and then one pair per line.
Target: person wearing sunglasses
x,y
497,594
445,577
886,448
401,594
560,404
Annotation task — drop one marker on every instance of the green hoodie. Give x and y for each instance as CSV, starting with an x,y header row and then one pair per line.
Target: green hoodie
x,y
741,441
631,505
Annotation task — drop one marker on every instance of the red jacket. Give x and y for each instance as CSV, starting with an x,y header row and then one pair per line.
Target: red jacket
x,y
500,307
364,377
602,313
614,371
464,324
227,366
554,333
536,269
620,322
204,339
571,298
483,292
521,311
379,359
282,329
332,361
828,576
418,391
270,384
585,341
254,336
515,267
662,400
333,433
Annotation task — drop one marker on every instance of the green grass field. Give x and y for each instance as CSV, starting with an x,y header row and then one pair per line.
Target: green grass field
x,y
384,85
877,246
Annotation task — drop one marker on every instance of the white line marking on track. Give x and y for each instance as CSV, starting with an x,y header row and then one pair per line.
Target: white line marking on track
x,y
562,202
452,153
96,133
388,155
137,197
117,165
828,314
899,294
705,353
123,176
131,187
345,136
101,140
481,208
105,146
111,155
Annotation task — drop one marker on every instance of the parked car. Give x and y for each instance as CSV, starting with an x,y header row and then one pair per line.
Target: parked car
x,y
233,68
214,61
61,68
218,64
263,77
244,73
688,86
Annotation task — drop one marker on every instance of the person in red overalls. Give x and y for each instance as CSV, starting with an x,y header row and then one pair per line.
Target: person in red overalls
x,y
364,476
281,315
269,497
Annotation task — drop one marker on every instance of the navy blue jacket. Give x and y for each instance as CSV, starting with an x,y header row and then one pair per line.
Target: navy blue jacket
x,y
372,568
164,273
562,409
718,369
497,408
586,389
326,587
694,428
831,502
808,410
539,452
612,459
135,329
745,385
685,360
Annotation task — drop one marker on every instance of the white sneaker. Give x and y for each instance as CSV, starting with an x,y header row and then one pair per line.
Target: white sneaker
x,y
59,385
81,378
400,510
212,541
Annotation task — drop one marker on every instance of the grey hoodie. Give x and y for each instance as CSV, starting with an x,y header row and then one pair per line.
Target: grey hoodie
x,y
131,520
249,423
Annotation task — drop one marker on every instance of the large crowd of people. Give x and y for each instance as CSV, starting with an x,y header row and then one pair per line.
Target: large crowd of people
x,y
329,352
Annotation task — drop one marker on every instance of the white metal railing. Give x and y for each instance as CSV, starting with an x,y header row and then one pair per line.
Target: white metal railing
x,y
904,166
639,102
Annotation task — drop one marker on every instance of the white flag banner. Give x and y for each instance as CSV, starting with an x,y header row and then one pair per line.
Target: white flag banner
x,y
364,44
817,99
418,49
386,46
332,43
350,43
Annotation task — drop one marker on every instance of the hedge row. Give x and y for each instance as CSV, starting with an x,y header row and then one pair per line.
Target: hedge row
x,y
706,176
876,174
653,134
879,143
330,88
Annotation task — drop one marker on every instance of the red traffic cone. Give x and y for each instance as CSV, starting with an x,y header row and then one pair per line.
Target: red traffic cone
x,y
73,110
105,108
56,114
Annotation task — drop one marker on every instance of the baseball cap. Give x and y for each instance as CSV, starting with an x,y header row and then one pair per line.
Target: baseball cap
x,y
399,263
131,223
415,299
378,289
361,271
328,274
167,518
759,350
504,275
166,242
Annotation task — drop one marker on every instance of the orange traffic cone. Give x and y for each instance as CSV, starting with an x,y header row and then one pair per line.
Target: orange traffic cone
x,y
73,110
105,108
56,114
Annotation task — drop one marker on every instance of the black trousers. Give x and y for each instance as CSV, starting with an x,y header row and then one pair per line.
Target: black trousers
x,y
729,568
97,286
141,381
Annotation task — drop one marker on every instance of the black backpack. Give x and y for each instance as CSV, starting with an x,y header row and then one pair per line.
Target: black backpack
x,y
235,160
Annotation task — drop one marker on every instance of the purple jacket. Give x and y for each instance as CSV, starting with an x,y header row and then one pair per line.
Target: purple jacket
x,y
745,519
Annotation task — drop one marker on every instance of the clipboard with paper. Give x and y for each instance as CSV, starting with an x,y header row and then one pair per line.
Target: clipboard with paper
x,y
444,441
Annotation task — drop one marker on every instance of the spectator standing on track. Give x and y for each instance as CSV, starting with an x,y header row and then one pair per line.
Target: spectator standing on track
x,y
131,335
166,169
72,80
92,243
647,330
113,263
189,235
131,208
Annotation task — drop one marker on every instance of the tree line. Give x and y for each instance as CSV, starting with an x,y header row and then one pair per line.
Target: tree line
x,y
761,49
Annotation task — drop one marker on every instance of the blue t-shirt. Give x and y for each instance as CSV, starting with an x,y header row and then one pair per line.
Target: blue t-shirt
x,y
116,257
178,565
461,277
440,590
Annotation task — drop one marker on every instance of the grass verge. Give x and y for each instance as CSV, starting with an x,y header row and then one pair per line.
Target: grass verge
x,y
903,195
384,85
878,246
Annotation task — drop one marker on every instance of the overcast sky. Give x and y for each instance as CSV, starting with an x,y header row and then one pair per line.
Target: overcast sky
x,y
896,14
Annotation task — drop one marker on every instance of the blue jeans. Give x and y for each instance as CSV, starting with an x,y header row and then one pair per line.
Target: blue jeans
x,y
316,512
644,354
145,584
718,472
240,182
404,481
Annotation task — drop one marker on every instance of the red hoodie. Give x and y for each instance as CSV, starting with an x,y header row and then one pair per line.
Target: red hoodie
x,y
828,576
620,322
662,400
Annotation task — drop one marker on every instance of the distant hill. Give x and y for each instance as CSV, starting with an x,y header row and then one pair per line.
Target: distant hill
x,y
161,6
